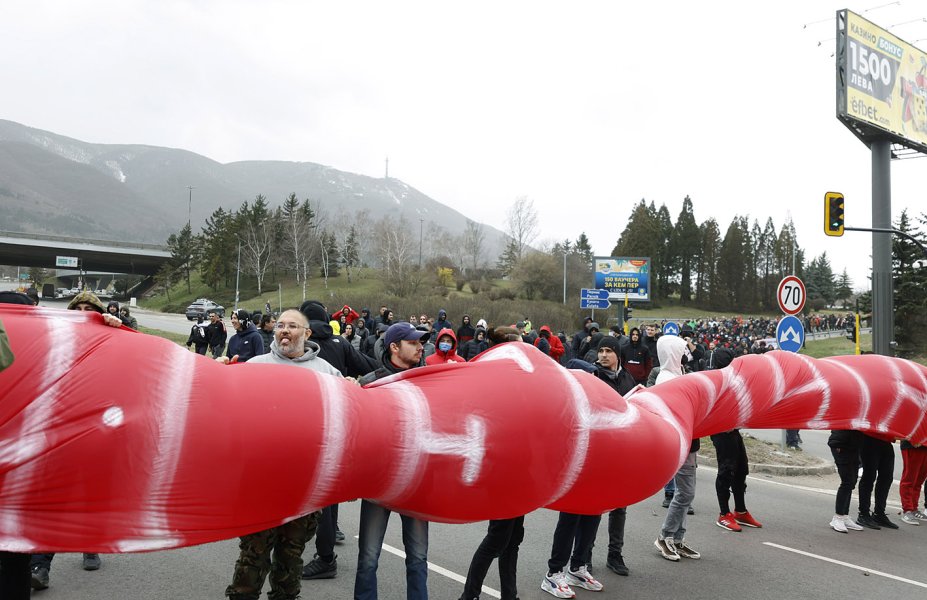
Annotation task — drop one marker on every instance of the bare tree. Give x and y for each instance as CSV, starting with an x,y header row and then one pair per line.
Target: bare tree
x,y
298,223
472,244
398,254
256,239
522,223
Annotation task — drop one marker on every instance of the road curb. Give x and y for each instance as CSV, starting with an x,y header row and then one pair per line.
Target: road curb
x,y
785,470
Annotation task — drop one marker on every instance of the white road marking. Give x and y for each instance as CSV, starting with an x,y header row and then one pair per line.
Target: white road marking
x,y
442,571
848,565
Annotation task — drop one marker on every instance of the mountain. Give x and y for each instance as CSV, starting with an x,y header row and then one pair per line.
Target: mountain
x,y
54,184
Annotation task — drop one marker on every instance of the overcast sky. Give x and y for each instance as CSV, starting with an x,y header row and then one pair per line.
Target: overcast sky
x,y
585,107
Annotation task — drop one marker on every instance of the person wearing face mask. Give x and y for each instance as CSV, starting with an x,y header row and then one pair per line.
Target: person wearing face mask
x,y
445,349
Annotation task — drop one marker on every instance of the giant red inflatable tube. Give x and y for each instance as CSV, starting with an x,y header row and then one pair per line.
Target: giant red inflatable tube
x,y
114,441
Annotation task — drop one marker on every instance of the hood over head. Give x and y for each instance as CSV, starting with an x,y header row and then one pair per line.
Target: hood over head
x,y
670,350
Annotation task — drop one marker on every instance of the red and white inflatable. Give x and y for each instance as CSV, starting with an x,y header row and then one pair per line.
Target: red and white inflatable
x,y
115,441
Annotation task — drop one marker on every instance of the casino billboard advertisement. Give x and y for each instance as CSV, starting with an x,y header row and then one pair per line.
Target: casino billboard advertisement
x,y
623,275
881,83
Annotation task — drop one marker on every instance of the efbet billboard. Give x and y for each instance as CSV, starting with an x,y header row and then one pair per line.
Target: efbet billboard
x,y
881,83
623,275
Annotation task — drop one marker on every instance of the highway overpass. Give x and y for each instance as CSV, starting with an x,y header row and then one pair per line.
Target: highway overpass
x,y
34,250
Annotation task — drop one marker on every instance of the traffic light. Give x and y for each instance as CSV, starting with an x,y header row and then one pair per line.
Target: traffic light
x,y
833,214
851,332
626,314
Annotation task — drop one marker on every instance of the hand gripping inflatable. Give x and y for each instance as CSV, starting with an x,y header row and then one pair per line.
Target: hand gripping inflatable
x,y
114,441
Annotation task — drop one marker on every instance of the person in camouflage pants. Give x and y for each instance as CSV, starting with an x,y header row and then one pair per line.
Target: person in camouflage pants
x,y
287,542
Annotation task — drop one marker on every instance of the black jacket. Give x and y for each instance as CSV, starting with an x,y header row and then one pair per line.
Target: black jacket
x,y
215,333
387,369
246,344
339,352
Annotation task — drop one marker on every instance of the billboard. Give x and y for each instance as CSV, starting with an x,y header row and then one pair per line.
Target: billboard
x,y
622,275
881,83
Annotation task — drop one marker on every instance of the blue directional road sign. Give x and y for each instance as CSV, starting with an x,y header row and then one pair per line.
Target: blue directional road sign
x,y
591,293
671,329
594,303
790,334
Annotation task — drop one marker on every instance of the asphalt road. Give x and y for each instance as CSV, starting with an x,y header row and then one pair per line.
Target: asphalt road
x,y
795,555
815,443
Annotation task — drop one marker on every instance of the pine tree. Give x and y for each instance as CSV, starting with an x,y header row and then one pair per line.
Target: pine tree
x,y
909,278
509,257
685,248
349,257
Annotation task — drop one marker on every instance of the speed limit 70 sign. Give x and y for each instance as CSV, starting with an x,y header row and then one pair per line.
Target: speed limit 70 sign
x,y
791,295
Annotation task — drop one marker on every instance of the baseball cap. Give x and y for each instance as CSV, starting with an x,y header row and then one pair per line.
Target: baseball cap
x,y
402,331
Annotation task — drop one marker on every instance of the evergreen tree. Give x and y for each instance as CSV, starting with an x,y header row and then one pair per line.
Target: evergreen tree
x,y
218,248
642,237
181,246
686,246
665,263
732,265
349,257
509,258
909,277
844,288
706,286
582,248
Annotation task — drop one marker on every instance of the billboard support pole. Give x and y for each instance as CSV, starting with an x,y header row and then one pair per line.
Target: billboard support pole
x,y
882,314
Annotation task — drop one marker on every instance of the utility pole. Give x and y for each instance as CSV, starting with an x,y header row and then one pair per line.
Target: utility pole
x,y
421,228
237,274
387,169
190,188
564,277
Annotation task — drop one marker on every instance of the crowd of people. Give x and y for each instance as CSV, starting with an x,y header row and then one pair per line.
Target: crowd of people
x,y
356,344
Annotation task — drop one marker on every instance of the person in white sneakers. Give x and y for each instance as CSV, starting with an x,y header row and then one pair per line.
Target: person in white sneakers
x,y
671,543
844,445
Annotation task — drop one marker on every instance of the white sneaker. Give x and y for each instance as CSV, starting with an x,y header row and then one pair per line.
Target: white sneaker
x,y
837,524
581,577
556,585
851,524
909,518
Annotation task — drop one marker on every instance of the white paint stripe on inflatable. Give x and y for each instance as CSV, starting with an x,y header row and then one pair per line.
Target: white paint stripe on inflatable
x,y
711,393
173,398
581,435
329,464
861,422
510,351
412,419
918,395
38,416
898,397
817,384
778,376
734,382
470,446
658,405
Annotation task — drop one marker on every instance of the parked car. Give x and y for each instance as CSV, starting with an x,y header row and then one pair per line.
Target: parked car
x,y
202,307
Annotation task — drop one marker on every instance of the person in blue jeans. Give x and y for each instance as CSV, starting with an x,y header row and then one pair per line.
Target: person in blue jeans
x,y
373,522
402,345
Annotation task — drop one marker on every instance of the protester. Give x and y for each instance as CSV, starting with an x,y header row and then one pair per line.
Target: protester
x,y
278,550
403,351
503,536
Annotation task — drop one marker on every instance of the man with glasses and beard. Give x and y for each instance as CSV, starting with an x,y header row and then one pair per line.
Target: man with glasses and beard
x,y
291,346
